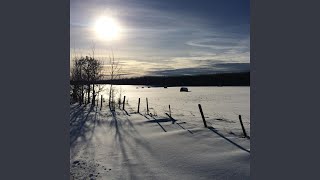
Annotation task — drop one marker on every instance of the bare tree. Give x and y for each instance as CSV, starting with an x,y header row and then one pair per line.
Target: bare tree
x,y
86,70
81,64
114,71
87,75
76,76
96,75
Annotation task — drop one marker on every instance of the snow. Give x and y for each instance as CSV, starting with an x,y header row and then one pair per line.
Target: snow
x,y
129,145
221,105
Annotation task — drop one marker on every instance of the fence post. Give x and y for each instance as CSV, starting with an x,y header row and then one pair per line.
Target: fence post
x,y
138,105
244,131
204,120
147,106
169,110
101,103
124,99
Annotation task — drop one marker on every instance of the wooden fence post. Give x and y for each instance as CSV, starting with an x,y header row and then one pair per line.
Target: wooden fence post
x,y
204,120
244,131
147,106
138,105
101,103
124,99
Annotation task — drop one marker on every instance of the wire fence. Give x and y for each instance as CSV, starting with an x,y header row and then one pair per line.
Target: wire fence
x,y
227,122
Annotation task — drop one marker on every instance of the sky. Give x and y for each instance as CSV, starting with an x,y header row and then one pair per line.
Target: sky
x,y
165,37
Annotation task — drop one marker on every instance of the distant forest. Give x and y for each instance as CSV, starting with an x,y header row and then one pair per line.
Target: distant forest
x,y
223,79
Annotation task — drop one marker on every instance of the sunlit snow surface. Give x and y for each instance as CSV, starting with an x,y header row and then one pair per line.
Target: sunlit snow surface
x,y
128,145
221,105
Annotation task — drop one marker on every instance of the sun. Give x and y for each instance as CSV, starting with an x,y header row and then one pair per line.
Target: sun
x,y
107,28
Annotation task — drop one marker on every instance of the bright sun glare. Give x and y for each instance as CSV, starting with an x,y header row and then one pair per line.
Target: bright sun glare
x,y
107,28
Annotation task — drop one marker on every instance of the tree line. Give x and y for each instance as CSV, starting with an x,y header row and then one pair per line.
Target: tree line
x,y
221,79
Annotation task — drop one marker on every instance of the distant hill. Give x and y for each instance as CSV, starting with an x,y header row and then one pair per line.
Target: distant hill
x,y
223,79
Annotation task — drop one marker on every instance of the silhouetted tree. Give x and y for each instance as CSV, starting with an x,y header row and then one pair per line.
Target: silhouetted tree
x,y
114,71
85,70
76,75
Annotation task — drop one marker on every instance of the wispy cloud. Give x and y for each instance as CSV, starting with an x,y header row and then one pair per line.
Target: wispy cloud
x,y
167,36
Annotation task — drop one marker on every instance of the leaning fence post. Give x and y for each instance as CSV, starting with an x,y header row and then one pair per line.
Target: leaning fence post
x,y
204,120
147,106
244,131
101,103
169,110
138,105
124,99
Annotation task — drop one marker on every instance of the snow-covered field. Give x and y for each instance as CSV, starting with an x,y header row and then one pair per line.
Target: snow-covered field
x,y
221,105
128,145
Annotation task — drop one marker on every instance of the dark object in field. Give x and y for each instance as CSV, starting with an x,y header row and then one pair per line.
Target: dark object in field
x,y
148,86
165,87
184,89
76,162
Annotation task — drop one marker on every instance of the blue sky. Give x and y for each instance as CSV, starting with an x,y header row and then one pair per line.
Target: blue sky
x,y
166,37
